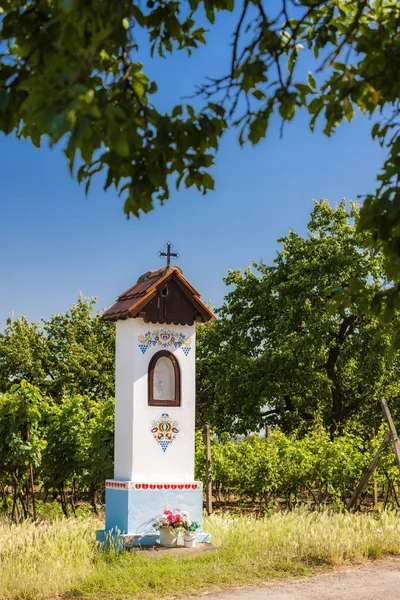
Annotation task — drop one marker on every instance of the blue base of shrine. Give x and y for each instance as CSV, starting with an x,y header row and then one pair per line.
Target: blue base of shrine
x,y
131,512
119,541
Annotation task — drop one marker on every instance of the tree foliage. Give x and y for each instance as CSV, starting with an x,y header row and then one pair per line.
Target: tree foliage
x,y
71,352
21,441
79,448
70,71
284,350
69,361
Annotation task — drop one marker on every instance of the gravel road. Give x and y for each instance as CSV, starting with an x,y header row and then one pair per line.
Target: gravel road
x,y
379,580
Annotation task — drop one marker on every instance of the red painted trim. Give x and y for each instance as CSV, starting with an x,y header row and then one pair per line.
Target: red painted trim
x,y
116,484
152,486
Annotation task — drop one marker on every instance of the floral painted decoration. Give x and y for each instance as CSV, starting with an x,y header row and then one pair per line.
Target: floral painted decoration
x,y
164,431
166,338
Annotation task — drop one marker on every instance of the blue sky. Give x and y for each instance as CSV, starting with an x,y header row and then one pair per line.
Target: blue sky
x,y
55,241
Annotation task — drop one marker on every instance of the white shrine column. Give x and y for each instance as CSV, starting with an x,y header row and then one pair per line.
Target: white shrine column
x,y
138,457
125,352
154,405
150,462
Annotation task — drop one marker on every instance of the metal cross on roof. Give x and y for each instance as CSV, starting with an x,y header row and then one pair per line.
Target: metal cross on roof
x,y
168,253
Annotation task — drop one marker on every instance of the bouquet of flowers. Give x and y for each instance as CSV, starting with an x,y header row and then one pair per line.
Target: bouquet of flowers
x,y
188,525
169,520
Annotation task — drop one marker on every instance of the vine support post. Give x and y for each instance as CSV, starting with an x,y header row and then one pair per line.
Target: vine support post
x,y
31,480
393,431
32,491
207,442
367,474
375,496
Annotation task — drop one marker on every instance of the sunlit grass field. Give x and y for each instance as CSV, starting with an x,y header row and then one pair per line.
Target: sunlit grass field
x,y
60,559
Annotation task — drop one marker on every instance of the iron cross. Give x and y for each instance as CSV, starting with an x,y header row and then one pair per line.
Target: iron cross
x,y
168,253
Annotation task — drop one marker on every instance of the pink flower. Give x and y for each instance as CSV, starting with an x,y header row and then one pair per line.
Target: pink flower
x,y
172,519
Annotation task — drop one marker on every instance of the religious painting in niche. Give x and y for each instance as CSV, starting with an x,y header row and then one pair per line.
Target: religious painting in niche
x,y
164,380
164,431
165,338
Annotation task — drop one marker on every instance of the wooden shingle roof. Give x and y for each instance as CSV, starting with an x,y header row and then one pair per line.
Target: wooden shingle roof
x,y
162,296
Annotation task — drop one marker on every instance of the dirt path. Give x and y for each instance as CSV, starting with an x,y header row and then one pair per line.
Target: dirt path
x,y
375,581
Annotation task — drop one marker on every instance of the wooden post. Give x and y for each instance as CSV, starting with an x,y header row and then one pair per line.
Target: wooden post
x,y
392,429
268,432
32,491
31,480
207,442
367,474
375,493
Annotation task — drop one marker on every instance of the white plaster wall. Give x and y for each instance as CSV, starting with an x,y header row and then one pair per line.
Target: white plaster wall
x,y
138,457
124,386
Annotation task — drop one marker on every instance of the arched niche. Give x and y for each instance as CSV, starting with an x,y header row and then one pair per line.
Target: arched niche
x,y
164,380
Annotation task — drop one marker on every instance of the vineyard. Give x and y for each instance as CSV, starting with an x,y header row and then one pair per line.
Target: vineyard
x,y
286,471
70,447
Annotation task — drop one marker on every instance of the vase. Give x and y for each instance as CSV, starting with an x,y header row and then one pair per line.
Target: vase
x,y
189,540
168,538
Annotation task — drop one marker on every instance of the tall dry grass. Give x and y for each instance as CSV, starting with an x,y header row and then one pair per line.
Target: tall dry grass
x,y
60,559
44,560
315,537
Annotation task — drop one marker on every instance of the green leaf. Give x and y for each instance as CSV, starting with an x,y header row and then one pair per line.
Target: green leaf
x,y
121,144
139,87
303,88
375,130
348,110
257,129
3,99
287,108
311,81
207,181
210,14
258,94
177,111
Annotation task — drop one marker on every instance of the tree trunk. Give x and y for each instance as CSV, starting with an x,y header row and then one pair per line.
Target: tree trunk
x,y
338,410
15,516
93,497
63,497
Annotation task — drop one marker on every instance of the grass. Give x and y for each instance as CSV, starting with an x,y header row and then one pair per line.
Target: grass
x,y
61,560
